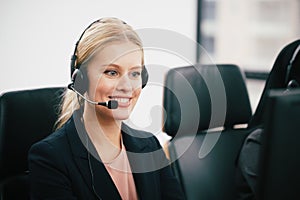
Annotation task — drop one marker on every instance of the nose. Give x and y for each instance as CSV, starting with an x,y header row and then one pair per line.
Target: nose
x,y
125,83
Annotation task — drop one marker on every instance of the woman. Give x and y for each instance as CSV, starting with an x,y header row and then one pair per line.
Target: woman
x,y
93,154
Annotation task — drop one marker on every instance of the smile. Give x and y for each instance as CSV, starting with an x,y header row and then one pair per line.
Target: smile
x,y
122,101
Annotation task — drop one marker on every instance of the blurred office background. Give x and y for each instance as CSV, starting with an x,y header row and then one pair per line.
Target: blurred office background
x,y
249,34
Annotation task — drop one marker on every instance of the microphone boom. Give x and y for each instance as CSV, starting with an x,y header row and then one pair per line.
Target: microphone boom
x,y
111,104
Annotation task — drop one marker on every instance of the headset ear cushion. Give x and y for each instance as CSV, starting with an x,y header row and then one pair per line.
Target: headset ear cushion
x,y
80,81
145,76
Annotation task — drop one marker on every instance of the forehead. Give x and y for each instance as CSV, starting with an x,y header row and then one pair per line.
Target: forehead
x,y
119,53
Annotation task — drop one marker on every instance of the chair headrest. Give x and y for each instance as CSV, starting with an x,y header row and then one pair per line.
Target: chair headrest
x,y
25,117
201,97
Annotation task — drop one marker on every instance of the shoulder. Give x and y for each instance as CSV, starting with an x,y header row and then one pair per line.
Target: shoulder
x,y
250,152
140,137
54,140
252,144
135,132
52,147
254,137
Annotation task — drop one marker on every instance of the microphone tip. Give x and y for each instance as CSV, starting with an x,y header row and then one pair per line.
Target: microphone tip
x,y
112,104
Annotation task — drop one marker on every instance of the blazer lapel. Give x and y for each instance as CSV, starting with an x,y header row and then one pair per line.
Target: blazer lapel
x,y
103,183
145,182
92,170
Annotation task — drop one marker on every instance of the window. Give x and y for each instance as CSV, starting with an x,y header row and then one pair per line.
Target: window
x,y
247,33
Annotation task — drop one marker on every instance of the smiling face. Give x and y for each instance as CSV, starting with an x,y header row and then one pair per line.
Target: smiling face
x,y
115,74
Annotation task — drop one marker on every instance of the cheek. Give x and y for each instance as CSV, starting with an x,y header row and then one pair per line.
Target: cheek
x,y
136,86
104,87
100,87
137,92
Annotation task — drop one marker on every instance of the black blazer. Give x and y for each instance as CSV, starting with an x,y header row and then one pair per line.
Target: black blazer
x,y
61,168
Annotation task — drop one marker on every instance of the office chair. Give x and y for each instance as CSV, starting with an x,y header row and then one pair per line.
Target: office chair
x,y
25,117
203,105
279,160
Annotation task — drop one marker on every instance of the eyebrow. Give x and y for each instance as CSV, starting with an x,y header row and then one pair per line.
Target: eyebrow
x,y
118,66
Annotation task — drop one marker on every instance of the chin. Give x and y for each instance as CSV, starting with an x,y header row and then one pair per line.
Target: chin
x,y
121,115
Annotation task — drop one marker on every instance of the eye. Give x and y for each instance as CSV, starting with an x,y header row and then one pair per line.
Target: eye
x,y
111,73
135,74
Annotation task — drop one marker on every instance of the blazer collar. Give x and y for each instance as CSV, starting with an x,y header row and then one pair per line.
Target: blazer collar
x,y
136,146
79,138
94,172
132,140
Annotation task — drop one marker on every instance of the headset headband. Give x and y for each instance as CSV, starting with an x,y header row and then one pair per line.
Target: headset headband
x,y
74,57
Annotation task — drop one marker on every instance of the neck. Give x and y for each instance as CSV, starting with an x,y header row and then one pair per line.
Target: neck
x,y
105,135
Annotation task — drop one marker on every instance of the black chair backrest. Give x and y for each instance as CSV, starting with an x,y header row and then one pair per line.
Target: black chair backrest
x,y
279,156
216,93
202,105
26,117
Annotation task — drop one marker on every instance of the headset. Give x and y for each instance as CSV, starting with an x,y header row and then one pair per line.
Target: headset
x,y
79,78
290,84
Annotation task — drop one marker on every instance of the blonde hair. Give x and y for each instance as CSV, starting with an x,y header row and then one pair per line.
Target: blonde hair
x,y
95,38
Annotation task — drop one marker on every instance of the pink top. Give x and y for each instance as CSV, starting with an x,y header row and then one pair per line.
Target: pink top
x,y
120,172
